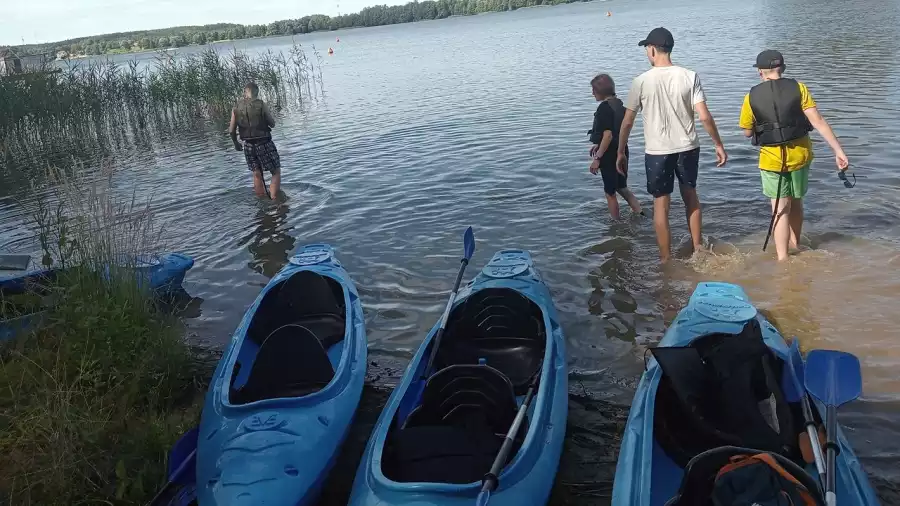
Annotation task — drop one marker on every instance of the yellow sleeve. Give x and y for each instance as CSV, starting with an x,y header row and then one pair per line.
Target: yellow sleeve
x,y
747,119
806,100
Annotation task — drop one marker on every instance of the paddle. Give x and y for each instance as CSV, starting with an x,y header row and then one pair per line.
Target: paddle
x,y
468,251
834,378
796,368
491,479
182,460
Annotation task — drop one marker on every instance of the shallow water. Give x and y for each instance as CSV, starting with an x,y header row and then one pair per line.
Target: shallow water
x,y
430,127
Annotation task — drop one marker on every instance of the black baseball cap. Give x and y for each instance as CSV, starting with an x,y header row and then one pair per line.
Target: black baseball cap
x,y
659,37
769,59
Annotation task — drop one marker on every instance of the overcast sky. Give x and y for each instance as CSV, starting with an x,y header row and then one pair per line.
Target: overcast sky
x,y
39,21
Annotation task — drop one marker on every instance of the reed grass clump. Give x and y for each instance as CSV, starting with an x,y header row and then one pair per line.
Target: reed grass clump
x,y
92,398
111,105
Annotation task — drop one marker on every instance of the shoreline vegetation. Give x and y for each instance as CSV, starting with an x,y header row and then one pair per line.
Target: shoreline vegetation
x,y
93,396
175,37
107,105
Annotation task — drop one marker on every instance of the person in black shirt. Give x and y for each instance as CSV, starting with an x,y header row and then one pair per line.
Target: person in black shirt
x,y
605,141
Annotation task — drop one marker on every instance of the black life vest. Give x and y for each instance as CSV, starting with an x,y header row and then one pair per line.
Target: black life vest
x,y
778,112
251,119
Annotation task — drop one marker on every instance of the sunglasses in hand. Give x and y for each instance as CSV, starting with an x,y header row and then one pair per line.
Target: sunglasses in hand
x,y
842,175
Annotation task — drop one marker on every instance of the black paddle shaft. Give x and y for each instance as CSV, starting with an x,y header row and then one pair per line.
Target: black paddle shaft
x,y
777,196
832,446
440,333
491,480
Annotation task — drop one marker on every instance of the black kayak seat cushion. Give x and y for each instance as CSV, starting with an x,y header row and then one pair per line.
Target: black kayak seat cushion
x,y
291,362
441,454
501,326
710,396
476,396
700,475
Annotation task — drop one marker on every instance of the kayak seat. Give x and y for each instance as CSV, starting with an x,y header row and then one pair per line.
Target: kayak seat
x,y
466,395
306,298
456,431
723,390
700,476
439,454
501,326
291,362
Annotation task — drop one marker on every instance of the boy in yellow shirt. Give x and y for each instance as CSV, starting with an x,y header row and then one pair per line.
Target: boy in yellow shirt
x,y
778,114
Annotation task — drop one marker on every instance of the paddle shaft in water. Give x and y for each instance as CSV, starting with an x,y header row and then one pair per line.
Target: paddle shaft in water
x,y
177,474
440,333
831,445
491,479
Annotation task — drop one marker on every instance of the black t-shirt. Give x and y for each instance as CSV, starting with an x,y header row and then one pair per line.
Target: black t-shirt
x,y
609,116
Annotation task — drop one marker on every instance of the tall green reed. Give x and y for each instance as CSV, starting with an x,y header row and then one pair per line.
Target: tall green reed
x,y
101,103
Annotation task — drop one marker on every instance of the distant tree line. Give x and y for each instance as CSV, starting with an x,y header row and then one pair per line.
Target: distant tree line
x,y
371,16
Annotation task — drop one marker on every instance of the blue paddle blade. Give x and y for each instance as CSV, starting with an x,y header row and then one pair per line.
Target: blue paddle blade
x,y
483,497
833,377
468,244
182,454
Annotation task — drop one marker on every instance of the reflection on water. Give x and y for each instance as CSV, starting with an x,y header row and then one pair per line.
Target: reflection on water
x,y
269,242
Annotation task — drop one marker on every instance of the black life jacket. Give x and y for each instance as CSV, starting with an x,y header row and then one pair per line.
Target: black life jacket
x,y
251,119
778,112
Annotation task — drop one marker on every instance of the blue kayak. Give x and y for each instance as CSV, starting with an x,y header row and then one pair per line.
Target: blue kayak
x,y
164,273
720,381
437,438
283,396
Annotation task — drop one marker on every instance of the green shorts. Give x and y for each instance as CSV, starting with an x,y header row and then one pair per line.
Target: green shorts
x,y
793,184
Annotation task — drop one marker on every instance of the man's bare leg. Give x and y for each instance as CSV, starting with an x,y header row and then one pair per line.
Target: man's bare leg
x,y
258,184
661,223
275,185
782,233
693,215
631,199
795,218
613,204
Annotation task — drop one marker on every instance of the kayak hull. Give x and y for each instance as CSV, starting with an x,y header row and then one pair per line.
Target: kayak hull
x,y
528,477
645,474
165,274
269,438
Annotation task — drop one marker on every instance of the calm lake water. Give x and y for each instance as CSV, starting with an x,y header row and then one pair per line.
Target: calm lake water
x,y
430,127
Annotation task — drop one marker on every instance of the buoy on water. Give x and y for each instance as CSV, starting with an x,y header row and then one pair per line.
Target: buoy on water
x,y
608,14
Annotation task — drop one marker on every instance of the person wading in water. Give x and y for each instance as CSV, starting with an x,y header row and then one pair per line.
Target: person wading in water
x,y
252,119
778,114
668,96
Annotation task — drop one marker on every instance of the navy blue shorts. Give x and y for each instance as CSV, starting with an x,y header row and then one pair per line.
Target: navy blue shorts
x,y
663,169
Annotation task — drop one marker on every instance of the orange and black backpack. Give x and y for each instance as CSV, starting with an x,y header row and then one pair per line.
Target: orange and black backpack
x,y
732,476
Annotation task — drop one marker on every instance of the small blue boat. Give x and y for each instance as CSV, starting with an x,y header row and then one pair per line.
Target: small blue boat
x,y
720,381
438,436
283,396
164,273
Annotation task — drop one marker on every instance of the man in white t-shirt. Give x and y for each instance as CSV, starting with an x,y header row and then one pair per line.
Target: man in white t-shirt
x,y
668,96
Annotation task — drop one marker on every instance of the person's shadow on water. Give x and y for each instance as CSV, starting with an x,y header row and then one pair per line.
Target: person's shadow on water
x,y
269,242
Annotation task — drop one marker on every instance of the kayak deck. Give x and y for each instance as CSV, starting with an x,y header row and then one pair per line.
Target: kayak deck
x,y
285,393
721,377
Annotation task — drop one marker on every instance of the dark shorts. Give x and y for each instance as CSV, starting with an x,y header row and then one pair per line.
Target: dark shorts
x,y
612,180
663,169
263,156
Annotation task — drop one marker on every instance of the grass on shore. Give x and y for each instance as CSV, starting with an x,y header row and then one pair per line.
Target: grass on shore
x,y
92,399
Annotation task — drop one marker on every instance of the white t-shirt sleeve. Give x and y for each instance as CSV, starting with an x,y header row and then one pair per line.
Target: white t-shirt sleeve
x,y
634,95
697,94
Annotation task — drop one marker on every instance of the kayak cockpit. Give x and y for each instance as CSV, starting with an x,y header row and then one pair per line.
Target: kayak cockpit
x,y
721,390
294,342
450,429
